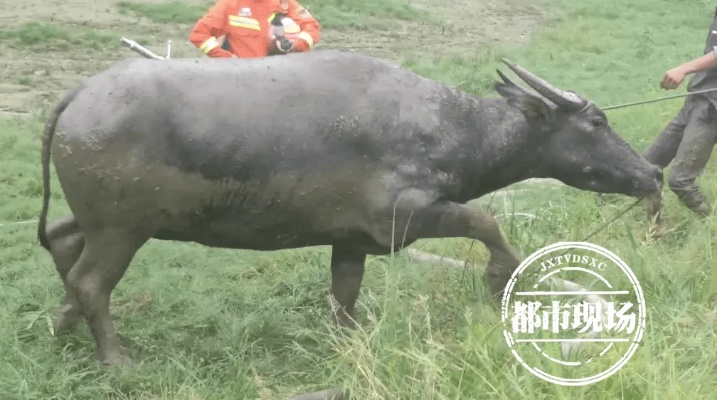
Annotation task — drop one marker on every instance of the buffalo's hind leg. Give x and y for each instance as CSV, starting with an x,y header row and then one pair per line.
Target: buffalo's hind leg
x,y
347,268
104,260
66,244
454,220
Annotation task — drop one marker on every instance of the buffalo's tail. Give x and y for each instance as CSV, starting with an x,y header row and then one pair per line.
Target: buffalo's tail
x,y
49,132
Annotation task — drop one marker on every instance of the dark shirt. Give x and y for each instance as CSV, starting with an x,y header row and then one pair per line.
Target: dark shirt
x,y
707,79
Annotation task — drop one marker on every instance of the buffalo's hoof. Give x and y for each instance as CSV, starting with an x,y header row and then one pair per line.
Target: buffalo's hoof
x,y
117,359
66,319
497,278
497,296
342,319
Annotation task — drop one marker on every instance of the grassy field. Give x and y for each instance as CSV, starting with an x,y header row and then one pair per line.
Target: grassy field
x,y
218,324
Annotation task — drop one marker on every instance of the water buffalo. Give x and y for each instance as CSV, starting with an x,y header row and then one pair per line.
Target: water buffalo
x,y
320,148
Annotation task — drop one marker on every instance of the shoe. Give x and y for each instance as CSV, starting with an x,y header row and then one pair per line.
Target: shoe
x,y
702,210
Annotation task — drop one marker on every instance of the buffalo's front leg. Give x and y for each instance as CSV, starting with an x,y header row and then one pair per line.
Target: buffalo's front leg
x,y
347,268
445,220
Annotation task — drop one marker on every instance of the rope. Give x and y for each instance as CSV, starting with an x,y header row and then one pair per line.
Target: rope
x,y
612,220
674,96
18,222
596,231
630,105
605,225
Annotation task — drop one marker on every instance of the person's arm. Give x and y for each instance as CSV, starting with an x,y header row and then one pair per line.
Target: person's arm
x,y
211,26
310,29
674,77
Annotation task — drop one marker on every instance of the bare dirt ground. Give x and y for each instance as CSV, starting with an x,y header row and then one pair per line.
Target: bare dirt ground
x,y
33,77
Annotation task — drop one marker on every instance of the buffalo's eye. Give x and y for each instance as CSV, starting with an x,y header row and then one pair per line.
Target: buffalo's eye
x,y
597,121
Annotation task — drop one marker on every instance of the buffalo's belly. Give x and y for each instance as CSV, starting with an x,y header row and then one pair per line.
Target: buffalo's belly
x,y
270,230
121,190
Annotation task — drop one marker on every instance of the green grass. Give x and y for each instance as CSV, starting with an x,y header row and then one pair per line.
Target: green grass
x,y
220,324
178,12
366,15
46,36
331,14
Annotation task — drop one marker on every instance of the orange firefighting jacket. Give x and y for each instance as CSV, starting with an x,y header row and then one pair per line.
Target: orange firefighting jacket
x,y
246,25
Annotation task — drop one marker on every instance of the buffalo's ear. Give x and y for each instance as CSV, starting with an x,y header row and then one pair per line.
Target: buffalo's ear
x,y
532,106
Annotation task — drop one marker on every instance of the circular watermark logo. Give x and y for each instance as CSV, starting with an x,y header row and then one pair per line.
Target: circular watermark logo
x,y
563,332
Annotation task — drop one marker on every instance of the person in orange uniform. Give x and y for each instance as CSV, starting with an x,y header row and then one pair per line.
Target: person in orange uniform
x,y
247,28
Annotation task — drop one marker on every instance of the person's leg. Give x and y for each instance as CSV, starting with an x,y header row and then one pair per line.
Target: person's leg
x,y
700,136
663,150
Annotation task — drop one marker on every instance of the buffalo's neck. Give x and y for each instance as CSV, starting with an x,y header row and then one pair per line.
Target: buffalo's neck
x,y
498,149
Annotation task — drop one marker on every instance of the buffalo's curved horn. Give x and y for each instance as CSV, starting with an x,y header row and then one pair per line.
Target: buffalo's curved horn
x,y
560,97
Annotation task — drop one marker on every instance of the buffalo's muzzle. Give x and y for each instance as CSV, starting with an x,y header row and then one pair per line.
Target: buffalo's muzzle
x,y
650,183
659,176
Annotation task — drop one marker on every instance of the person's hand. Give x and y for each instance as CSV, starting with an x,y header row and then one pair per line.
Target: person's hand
x,y
284,45
673,78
